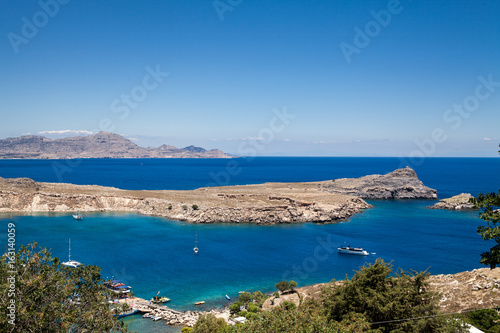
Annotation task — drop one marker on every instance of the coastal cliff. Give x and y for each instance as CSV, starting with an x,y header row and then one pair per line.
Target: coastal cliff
x,y
267,203
261,204
399,184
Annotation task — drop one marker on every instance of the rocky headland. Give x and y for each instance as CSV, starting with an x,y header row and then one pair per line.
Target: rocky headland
x,y
100,145
267,203
457,202
399,184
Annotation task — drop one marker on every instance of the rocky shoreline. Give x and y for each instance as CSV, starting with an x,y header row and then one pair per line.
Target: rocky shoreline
x,y
457,202
267,203
170,316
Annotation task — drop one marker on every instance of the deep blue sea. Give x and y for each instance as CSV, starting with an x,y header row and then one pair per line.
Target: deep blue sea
x,y
154,254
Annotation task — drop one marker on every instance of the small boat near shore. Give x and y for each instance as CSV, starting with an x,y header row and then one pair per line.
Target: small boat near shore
x,y
158,299
199,303
78,216
228,298
128,313
353,250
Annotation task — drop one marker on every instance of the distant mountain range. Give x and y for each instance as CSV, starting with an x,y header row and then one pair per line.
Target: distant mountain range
x,y
100,145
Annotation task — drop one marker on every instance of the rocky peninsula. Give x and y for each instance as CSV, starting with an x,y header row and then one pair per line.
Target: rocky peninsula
x,y
457,202
267,203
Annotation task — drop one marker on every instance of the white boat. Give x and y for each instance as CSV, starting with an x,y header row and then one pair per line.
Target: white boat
x,y
195,249
352,250
78,216
71,263
155,318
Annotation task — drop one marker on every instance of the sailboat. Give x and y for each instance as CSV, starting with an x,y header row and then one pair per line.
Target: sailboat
x,y
196,250
71,263
78,216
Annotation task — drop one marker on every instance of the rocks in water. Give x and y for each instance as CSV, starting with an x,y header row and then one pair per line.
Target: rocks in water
x,y
399,184
457,202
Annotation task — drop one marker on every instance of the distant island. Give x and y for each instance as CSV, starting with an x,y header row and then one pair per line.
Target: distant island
x,y
100,145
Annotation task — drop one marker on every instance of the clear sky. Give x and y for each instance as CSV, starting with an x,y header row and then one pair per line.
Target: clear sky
x,y
315,78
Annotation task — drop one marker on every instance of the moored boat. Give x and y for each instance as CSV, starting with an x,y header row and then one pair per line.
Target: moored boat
x,y
199,303
71,263
352,250
78,216
128,313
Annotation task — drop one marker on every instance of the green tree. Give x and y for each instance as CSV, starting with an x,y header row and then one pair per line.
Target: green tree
x,y
209,324
486,320
490,213
253,308
289,305
297,320
50,297
380,297
258,296
235,307
245,297
292,285
282,286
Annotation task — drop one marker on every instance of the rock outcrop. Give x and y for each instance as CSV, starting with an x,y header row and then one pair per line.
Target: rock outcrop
x,y
457,202
467,290
261,204
100,145
399,184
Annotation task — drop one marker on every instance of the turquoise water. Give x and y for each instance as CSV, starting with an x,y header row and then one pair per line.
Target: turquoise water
x,y
154,254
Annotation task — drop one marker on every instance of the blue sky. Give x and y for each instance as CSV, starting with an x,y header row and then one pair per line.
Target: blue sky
x,y
355,78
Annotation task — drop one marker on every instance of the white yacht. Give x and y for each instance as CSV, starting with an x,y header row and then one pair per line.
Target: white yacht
x,y
71,263
352,250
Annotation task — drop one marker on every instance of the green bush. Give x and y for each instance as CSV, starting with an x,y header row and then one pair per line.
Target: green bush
x,y
235,307
289,305
209,323
245,297
195,207
258,296
252,316
487,321
242,314
186,330
170,208
253,308
276,294
184,207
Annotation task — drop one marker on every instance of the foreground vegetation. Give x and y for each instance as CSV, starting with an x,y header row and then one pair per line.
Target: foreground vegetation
x,y
39,294
374,300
